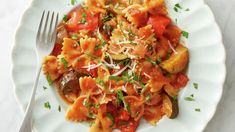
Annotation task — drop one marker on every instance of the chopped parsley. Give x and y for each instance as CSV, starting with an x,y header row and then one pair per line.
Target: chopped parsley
x,y
91,123
110,116
59,108
73,2
150,60
130,33
47,105
64,61
150,48
99,81
195,85
97,106
198,109
107,17
100,37
159,60
83,20
185,34
86,103
91,115
123,123
121,98
178,7
124,62
148,97
49,80
151,37
74,36
116,78
44,87
65,18
91,55
174,98
190,98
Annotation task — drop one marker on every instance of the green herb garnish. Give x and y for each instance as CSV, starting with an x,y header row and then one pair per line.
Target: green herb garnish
x,y
44,87
99,81
187,9
47,105
86,103
150,48
64,61
74,36
65,18
121,98
159,60
91,55
123,123
97,106
198,109
185,34
91,123
110,116
150,60
73,2
130,33
189,98
195,85
59,108
49,80
107,17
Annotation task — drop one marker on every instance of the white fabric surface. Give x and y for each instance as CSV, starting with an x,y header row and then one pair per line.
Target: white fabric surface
x,y
11,116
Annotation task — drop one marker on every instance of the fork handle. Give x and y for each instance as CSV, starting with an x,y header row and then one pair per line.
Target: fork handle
x,y
26,125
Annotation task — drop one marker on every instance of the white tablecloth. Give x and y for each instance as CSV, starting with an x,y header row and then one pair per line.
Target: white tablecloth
x,y
11,116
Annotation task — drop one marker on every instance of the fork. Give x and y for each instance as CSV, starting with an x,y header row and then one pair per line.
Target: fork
x,y
45,41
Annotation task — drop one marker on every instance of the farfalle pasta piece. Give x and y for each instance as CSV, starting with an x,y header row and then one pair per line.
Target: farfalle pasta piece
x,y
88,86
71,50
153,114
96,6
104,121
155,6
147,33
88,44
50,67
63,64
81,64
80,110
103,73
136,106
156,83
136,14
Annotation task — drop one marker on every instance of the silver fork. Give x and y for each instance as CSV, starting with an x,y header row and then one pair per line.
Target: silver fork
x,y
45,40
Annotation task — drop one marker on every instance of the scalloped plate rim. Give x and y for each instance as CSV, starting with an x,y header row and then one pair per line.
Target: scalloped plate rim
x,y
19,26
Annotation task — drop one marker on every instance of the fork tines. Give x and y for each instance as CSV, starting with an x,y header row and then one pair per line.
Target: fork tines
x,y
47,33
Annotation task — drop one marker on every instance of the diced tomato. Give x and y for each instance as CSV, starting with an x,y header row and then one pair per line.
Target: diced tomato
x,y
74,23
181,80
57,49
159,23
130,127
124,115
93,72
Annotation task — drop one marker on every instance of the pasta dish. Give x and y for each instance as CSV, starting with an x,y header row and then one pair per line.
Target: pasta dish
x,y
118,61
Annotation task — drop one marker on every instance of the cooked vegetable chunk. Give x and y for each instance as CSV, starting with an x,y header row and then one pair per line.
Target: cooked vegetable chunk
x,y
177,61
170,106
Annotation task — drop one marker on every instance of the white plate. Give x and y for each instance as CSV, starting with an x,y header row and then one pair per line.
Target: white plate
x,y
206,67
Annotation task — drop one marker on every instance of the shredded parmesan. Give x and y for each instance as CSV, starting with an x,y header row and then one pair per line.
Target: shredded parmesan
x,y
110,65
90,67
120,71
172,48
147,75
124,87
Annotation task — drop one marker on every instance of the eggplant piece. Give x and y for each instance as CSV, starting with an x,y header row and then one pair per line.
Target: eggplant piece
x,y
178,61
69,84
170,106
61,33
